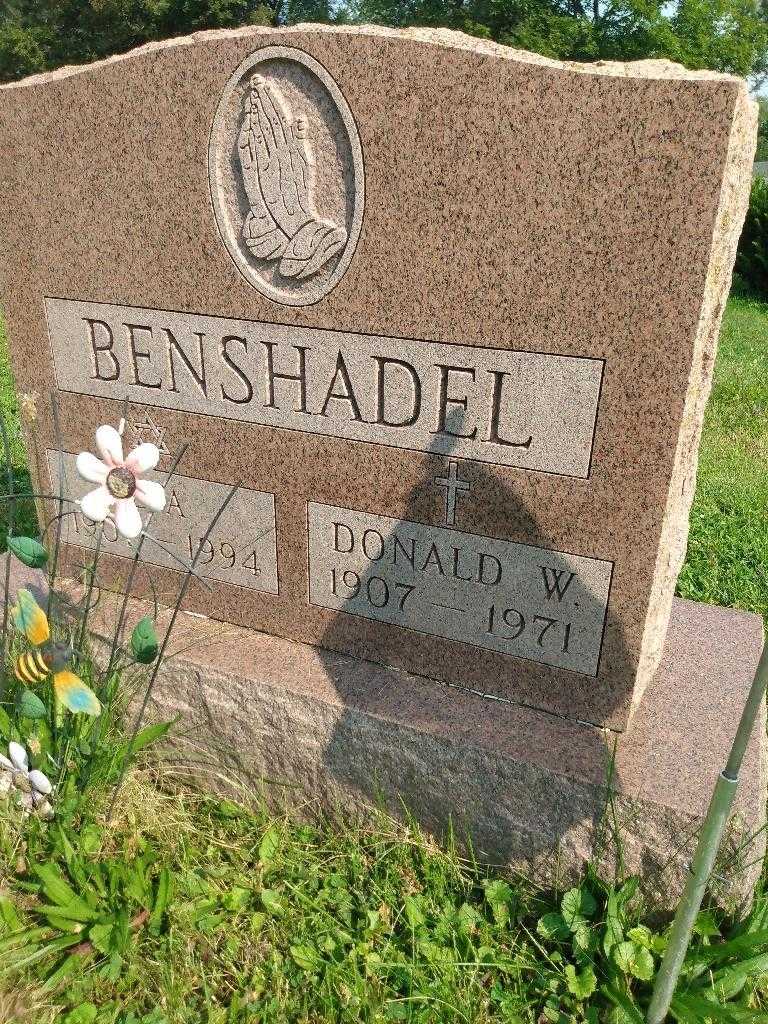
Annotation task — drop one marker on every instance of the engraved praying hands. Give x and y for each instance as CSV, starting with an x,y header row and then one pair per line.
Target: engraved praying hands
x,y
283,223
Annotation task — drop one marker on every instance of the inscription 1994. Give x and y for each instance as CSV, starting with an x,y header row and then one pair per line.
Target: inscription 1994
x,y
527,409
242,548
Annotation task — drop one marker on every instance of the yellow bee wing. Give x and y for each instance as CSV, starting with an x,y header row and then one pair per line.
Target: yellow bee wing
x,y
30,618
74,694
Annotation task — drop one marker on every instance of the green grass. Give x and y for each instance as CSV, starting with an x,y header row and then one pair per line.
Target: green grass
x,y
273,921
26,520
279,922
727,560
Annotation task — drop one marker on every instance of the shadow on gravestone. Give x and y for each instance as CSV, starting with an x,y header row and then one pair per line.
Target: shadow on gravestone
x,y
512,811
419,754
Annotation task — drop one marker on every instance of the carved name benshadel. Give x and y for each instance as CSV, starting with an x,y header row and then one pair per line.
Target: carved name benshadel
x,y
504,406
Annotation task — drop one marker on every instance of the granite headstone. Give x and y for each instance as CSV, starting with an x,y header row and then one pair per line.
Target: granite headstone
x,y
447,311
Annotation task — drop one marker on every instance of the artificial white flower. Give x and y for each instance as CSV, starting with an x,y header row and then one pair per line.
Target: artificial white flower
x,y
31,788
120,482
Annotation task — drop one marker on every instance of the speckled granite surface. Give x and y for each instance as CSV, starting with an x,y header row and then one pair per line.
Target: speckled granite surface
x,y
510,202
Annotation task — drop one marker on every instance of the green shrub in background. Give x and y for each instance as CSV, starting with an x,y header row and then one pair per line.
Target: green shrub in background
x,y
752,257
725,35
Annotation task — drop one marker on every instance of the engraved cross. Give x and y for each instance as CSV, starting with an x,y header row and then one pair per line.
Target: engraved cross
x,y
452,484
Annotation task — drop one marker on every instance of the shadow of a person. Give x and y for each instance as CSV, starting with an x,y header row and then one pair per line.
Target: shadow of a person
x,y
504,774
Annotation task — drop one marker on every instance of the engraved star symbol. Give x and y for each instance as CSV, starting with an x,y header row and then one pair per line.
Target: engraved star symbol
x,y
151,431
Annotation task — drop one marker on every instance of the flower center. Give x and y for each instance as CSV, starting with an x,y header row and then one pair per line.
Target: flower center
x,y
121,483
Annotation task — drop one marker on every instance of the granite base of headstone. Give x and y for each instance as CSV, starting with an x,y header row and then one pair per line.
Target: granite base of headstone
x,y
313,732
303,728
310,732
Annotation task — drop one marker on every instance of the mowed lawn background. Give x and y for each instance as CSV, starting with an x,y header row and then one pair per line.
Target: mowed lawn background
x,y
727,559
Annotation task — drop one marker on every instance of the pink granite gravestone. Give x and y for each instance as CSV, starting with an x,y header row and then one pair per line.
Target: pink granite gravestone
x,y
448,313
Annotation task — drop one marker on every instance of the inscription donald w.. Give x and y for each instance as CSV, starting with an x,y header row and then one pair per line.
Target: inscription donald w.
x,y
482,591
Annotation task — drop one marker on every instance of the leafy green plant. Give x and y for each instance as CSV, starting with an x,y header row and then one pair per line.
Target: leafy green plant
x,y
86,910
601,954
752,255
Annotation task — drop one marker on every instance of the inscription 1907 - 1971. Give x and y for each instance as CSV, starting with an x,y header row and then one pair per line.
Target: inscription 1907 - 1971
x,y
531,410
517,599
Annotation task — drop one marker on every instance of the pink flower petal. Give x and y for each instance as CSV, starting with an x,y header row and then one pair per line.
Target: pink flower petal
x,y
151,494
143,458
128,519
91,469
96,504
110,444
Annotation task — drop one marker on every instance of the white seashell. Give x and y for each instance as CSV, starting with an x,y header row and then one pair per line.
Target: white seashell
x,y
5,763
40,782
19,756
5,784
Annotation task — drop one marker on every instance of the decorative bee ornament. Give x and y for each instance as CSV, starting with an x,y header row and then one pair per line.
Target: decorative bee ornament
x,y
49,658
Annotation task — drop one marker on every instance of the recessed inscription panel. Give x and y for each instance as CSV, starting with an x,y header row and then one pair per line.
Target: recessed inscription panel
x,y
242,548
532,410
517,599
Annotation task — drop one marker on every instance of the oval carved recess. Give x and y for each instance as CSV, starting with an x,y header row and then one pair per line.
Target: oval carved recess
x,y
285,167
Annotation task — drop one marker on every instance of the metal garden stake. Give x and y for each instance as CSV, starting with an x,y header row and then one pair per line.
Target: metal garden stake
x,y
709,842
